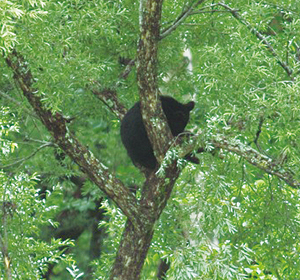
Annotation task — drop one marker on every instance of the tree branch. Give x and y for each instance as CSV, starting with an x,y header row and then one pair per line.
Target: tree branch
x,y
9,98
110,99
260,37
109,95
201,11
128,69
180,19
6,209
56,125
257,159
190,11
255,141
254,157
28,157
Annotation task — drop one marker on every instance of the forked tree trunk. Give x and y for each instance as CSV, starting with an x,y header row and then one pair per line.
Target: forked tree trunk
x,y
135,241
141,215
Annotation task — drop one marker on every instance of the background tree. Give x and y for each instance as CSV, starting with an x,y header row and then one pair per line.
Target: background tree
x,y
69,71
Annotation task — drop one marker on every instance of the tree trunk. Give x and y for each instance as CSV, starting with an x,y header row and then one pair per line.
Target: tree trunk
x,y
132,253
135,242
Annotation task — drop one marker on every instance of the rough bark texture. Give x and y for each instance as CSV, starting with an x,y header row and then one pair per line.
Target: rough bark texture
x,y
142,214
56,125
132,253
109,96
156,191
135,243
154,119
271,166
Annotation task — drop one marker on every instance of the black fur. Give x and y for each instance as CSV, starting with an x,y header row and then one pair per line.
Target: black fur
x,y
134,135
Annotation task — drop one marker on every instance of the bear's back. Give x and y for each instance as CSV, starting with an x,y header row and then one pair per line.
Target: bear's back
x,y
134,135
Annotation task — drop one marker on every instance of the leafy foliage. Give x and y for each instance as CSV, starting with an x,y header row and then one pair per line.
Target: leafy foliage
x,y
226,219
13,11
23,213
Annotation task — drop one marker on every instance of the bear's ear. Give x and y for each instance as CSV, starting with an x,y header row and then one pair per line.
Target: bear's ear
x,y
190,106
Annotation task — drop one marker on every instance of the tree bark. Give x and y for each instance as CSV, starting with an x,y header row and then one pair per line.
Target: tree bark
x,y
57,126
143,214
135,242
154,119
132,253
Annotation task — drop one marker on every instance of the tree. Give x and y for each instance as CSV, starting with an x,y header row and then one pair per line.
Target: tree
x,y
235,215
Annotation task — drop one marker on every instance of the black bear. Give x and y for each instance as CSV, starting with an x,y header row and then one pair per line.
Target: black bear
x,y
134,135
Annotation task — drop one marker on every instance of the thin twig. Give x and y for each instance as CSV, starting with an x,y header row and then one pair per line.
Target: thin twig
x,y
127,70
255,141
260,37
109,95
180,19
259,160
27,140
28,157
19,104
110,99
209,12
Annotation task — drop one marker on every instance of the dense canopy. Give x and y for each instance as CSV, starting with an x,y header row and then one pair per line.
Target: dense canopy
x,y
73,205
